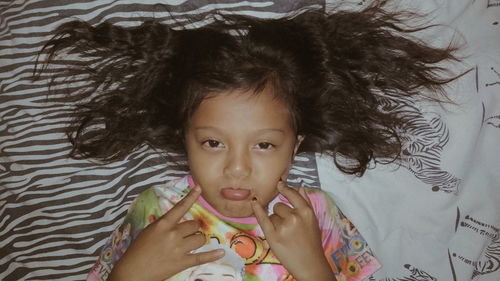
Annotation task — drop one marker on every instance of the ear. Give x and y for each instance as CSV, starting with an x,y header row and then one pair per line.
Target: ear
x,y
300,138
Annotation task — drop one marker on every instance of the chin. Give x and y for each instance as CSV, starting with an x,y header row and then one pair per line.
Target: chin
x,y
241,209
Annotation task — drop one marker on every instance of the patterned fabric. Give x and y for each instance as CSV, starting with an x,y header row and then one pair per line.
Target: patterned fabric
x,y
348,253
57,212
436,219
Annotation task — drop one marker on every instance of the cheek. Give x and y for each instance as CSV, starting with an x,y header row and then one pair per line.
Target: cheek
x,y
203,167
268,171
272,168
198,164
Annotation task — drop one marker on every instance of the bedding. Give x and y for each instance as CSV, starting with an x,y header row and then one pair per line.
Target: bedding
x,y
435,218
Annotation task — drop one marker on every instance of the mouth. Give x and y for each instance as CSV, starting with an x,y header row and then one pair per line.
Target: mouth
x,y
235,194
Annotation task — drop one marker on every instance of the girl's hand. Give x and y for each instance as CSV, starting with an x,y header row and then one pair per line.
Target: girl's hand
x,y
163,248
294,236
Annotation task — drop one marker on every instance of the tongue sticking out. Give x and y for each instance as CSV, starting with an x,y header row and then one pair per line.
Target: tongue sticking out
x,y
235,193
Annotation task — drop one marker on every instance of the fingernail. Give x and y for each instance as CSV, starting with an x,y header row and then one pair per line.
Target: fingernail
x,y
197,188
220,252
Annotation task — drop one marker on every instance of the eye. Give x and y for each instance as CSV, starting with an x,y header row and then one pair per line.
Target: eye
x,y
265,145
212,144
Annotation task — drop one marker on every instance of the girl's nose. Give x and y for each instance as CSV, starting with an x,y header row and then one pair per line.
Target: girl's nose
x,y
238,164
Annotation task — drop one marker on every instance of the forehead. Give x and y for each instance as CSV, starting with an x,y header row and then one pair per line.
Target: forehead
x,y
239,110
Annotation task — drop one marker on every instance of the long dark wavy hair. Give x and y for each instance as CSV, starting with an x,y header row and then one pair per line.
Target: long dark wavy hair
x,y
336,71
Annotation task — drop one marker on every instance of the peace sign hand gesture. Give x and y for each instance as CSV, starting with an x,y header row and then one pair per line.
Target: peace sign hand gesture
x,y
163,248
294,236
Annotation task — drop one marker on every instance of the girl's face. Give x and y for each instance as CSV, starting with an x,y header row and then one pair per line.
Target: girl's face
x,y
239,145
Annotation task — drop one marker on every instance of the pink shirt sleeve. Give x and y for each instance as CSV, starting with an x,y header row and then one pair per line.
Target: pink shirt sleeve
x,y
143,211
346,250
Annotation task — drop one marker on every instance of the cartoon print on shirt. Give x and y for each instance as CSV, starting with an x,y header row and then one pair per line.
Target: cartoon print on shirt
x,y
352,259
253,249
213,272
117,241
126,238
353,246
229,268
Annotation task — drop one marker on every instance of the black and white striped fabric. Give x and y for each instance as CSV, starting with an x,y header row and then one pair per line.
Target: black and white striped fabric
x,y
55,212
437,218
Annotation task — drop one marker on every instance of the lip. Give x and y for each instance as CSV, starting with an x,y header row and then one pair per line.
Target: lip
x,y
235,194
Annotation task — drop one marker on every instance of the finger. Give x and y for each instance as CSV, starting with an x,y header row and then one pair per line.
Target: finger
x,y
276,220
194,241
175,214
282,210
262,218
204,257
292,196
303,193
189,227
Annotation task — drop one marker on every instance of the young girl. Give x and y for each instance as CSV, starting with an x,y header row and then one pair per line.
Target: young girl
x,y
240,97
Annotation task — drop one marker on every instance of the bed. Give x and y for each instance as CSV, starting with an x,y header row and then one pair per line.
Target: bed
x,y
437,217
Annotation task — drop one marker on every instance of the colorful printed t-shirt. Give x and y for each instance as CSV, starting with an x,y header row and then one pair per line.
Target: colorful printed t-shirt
x,y
248,255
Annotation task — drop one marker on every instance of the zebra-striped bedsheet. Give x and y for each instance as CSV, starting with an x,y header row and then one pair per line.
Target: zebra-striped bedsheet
x,y
55,212
437,218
